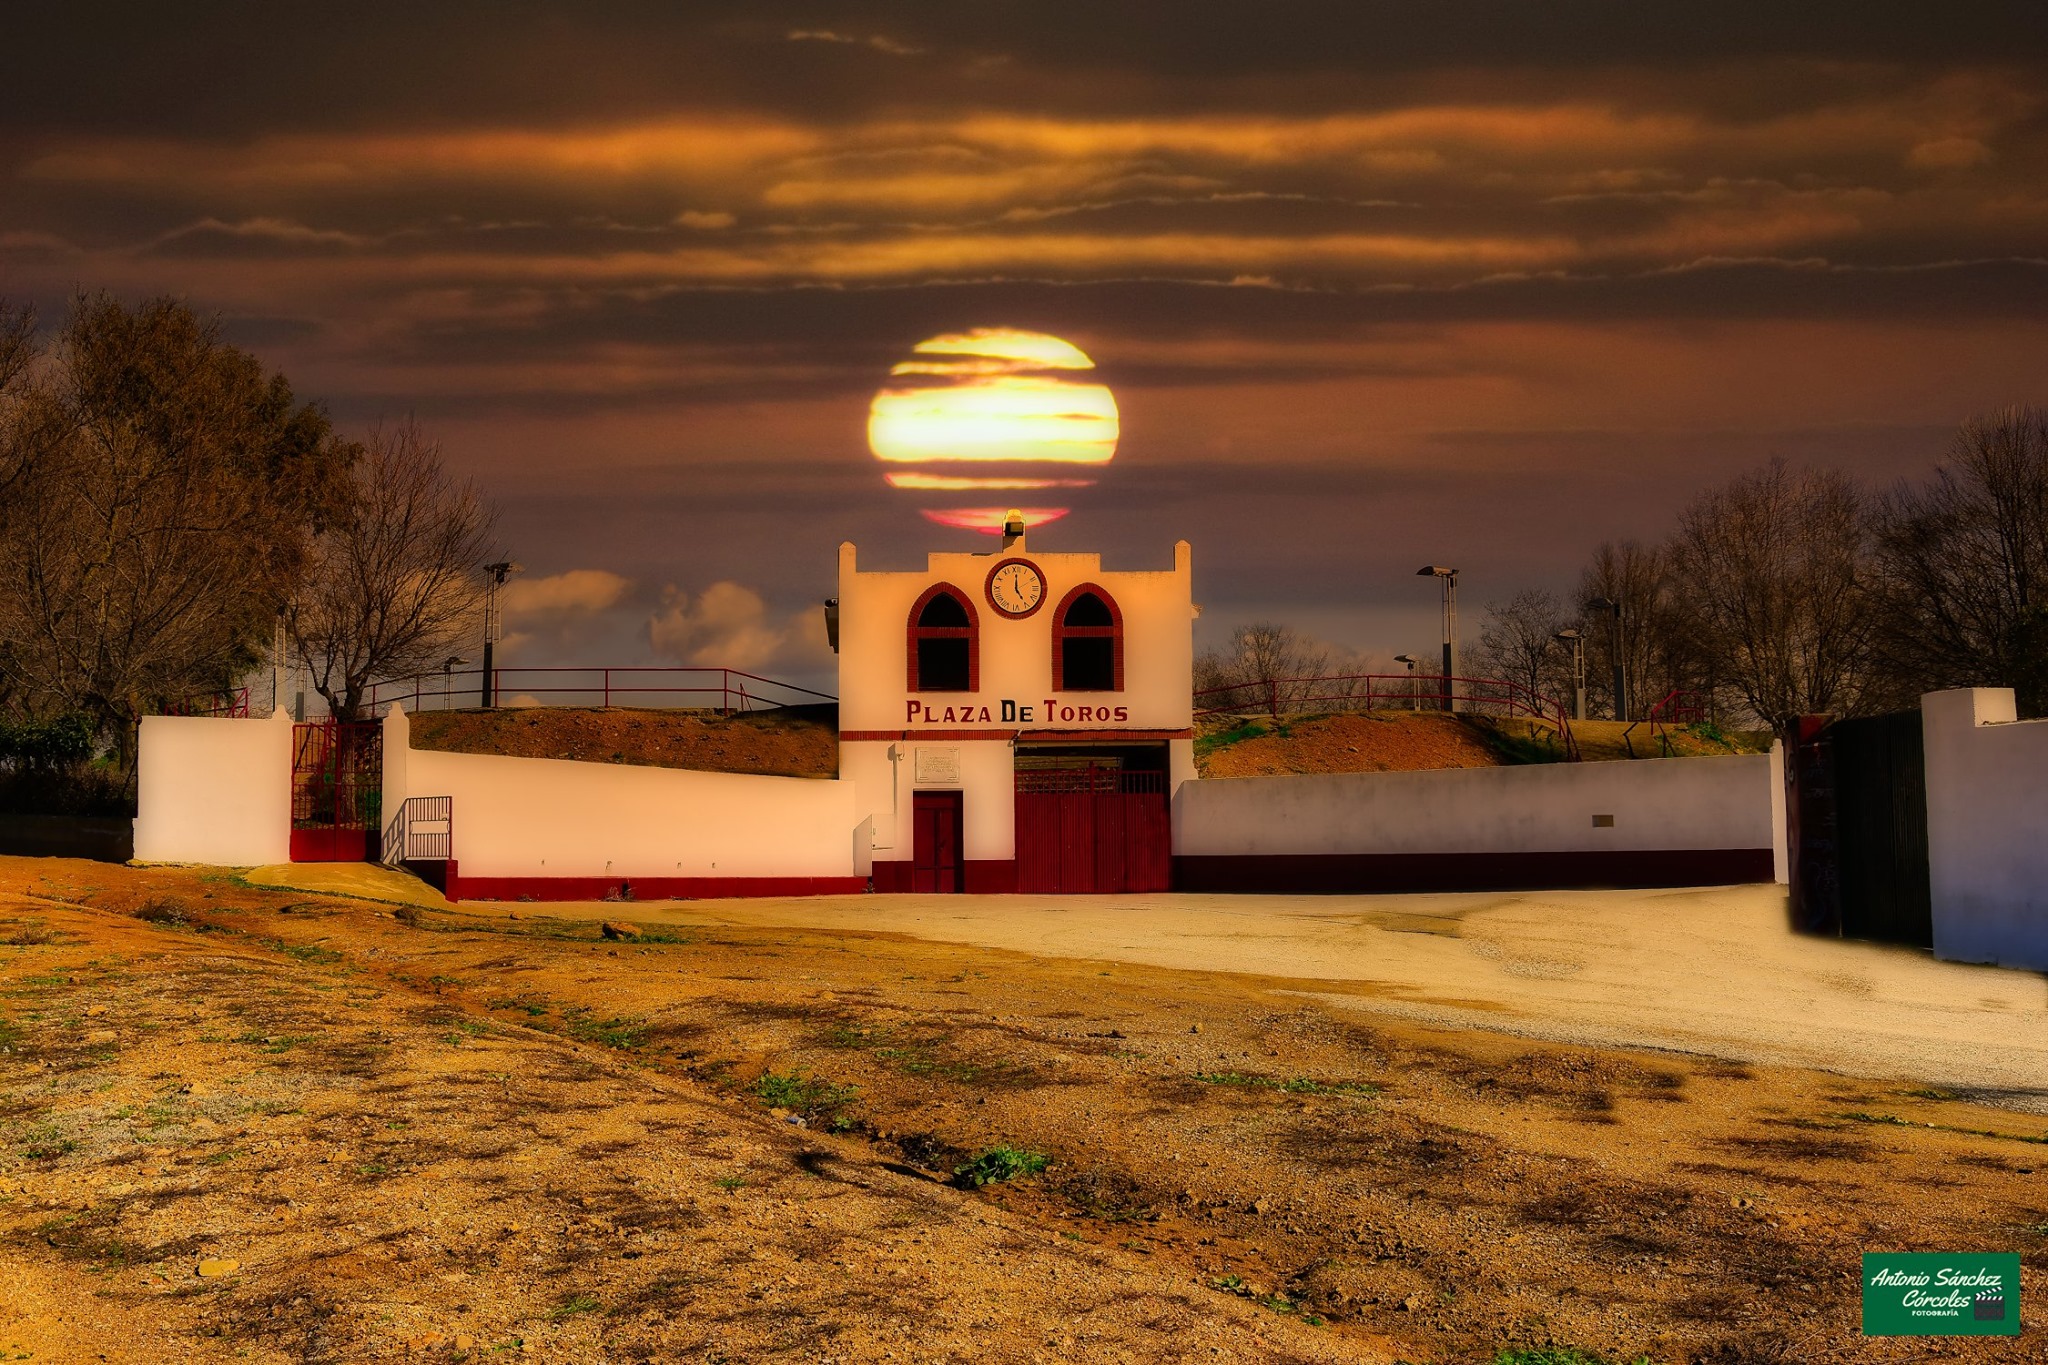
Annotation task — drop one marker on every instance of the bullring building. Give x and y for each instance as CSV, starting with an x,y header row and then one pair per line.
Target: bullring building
x,y
1016,721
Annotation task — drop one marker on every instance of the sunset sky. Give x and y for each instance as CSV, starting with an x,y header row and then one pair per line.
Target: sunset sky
x,y
1373,284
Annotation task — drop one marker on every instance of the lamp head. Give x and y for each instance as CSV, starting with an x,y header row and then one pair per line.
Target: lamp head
x,y
1435,571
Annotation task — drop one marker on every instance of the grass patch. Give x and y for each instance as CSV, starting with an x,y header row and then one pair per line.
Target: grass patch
x,y
1223,739
571,1306
621,1033
1534,746
1557,1355
998,1164
810,1096
1272,1303
1298,1085
46,1142
1856,1116
311,953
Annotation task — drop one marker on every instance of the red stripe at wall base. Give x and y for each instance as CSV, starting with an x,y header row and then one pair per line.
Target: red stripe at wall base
x,y
461,888
1377,873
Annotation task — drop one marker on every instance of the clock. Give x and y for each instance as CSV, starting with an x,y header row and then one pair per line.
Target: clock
x,y
1016,588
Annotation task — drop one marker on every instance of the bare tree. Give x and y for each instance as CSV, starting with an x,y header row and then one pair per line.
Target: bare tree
x,y
1965,560
395,579
1658,651
157,498
1773,572
1258,661
1518,643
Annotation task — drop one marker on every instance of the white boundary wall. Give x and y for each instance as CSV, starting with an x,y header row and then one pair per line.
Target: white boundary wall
x,y
214,790
544,817
1730,802
1987,827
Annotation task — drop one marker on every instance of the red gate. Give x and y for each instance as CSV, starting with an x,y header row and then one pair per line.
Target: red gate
x,y
1093,828
337,791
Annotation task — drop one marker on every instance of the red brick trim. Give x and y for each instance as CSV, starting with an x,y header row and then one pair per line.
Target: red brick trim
x,y
913,632
1061,631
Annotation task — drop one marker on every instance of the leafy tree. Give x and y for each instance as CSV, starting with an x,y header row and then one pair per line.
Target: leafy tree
x,y
161,493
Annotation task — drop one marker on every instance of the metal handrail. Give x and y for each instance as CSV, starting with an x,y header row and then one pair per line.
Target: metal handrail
x,y
1680,709
651,686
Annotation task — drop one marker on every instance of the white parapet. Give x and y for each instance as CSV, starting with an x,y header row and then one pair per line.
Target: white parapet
x,y
1987,812
214,790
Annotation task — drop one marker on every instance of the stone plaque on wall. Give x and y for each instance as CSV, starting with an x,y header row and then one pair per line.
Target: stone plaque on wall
x,y
935,767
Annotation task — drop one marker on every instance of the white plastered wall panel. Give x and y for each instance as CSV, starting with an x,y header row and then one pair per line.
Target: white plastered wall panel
x,y
214,790
1655,804
541,817
1987,815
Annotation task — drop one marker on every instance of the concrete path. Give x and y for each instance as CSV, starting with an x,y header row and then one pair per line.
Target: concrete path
x,y
1710,970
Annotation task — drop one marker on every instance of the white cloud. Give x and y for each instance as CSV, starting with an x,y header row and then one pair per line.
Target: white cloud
x,y
578,592
706,221
729,625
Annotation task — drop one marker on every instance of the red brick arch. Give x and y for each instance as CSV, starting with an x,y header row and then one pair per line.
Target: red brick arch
x,y
913,632
1062,632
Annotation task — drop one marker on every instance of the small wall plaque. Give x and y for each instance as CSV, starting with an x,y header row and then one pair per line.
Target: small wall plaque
x,y
935,767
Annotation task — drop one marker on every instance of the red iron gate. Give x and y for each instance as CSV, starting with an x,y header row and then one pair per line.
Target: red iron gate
x,y
337,791
1093,828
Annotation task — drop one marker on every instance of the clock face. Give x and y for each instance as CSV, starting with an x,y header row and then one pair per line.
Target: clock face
x,y
1016,588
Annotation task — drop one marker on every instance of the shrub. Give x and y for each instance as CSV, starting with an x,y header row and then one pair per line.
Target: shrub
x,y
998,1164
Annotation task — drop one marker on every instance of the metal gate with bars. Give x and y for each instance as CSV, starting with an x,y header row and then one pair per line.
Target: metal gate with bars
x,y
1093,827
1859,829
337,791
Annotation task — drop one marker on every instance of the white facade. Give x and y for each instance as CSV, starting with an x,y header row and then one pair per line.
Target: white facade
x,y
899,735
1987,813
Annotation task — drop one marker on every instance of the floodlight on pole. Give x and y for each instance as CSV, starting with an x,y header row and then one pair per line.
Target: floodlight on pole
x,y
1450,579
1411,661
494,578
1570,637
1614,639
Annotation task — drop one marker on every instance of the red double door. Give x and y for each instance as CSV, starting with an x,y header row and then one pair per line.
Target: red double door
x,y
1093,829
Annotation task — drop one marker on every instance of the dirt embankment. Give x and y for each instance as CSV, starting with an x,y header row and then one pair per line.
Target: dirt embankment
x,y
281,1126
800,741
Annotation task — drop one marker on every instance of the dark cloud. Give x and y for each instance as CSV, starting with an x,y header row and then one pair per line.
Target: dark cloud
x,y
1375,282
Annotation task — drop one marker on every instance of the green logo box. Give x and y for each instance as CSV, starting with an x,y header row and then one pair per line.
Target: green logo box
x,y
1936,1294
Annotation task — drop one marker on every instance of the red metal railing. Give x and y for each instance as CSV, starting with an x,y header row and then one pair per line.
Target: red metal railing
x,y
1676,707
1387,691
721,689
233,703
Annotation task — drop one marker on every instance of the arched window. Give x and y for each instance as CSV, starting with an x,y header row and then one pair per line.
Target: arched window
x,y
1088,642
945,642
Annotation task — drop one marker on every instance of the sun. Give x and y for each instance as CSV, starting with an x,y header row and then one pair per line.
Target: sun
x,y
973,418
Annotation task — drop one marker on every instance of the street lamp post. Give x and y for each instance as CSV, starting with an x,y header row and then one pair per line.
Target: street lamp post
x,y
1570,636
448,667
1450,578
1609,604
1411,661
494,578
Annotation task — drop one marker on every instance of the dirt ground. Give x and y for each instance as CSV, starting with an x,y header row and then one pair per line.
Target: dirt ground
x,y
290,1126
798,741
